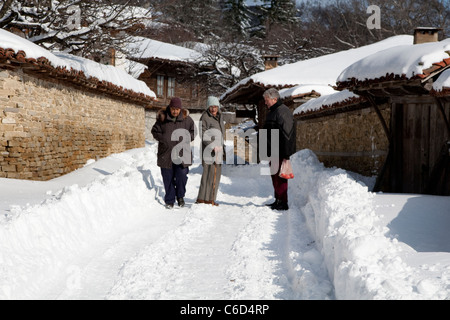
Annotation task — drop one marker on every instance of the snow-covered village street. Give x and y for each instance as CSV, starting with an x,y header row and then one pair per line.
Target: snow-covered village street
x,y
102,232
102,102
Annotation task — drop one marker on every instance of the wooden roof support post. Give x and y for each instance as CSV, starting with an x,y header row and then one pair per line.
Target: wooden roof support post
x,y
440,172
441,109
380,116
388,133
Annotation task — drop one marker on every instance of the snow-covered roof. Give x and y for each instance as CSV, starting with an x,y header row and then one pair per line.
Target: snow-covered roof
x,y
145,48
329,101
442,85
307,89
69,65
401,62
320,71
134,68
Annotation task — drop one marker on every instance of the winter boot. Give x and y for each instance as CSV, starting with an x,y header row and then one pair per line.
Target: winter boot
x,y
280,205
169,205
181,202
272,204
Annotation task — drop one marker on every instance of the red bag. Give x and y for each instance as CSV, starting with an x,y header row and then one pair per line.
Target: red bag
x,y
286,171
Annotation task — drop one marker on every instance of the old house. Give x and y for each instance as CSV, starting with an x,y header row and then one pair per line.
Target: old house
x,y
301,80
307,80
58,111
390,120
170,71
413,82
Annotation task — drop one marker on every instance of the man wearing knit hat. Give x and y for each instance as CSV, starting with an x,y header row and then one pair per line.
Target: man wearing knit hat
x,y
174,130
212,134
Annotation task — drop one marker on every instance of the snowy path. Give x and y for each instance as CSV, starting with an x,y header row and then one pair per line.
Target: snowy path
x,y
95,271
117,241
228,252
103,233
223,253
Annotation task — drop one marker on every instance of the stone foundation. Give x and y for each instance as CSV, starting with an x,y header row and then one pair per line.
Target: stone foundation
x,y
48,129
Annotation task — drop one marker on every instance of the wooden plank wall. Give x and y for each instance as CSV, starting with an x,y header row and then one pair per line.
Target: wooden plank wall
x,y
420,134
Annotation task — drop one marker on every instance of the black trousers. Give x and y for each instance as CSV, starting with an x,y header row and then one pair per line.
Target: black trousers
x,y
175,180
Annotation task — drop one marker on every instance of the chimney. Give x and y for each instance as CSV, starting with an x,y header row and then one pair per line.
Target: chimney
x,y
426,34
112,56
270,61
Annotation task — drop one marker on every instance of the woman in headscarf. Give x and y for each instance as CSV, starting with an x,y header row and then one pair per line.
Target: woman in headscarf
x,y
212,135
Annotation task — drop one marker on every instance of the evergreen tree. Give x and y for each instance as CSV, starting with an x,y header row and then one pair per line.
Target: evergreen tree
x,y
201,17
280,11
236,16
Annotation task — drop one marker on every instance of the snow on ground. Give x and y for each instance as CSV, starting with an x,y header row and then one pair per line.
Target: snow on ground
x,y
102,233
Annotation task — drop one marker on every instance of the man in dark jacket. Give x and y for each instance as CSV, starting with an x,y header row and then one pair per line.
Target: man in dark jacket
x,y
279,118
174,130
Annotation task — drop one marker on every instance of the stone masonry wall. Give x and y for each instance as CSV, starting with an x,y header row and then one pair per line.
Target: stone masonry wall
x,y
353,140
48,129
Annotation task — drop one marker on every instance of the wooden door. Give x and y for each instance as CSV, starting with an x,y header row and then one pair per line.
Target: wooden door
x,y
419,138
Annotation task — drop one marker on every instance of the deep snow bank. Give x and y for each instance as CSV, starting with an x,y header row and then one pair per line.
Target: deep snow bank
x,y
362,262
40,244
37,242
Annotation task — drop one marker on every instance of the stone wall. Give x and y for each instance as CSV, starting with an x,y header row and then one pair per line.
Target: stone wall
x,y
353,140
48,129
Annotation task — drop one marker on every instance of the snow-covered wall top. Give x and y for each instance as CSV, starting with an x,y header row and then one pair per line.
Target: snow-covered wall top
x,y
442,84
305,89
327,101
144,48
90,68
405,61
320,71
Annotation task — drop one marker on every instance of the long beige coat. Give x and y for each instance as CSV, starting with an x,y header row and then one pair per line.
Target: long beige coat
x,y
212,170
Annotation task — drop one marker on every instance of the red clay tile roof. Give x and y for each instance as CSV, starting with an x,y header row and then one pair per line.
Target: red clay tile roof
x,y
242,93
426,73
445,92
348,104
41,67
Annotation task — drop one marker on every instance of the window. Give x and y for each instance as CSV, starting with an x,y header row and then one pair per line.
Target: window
x,y
194,91
160,86
171,87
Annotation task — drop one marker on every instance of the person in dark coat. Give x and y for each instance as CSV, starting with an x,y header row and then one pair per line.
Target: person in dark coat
x,y
213,133
174,130
280,118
